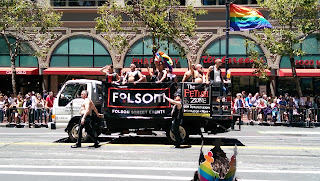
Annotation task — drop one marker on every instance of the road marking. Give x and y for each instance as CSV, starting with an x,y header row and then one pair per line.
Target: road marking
x,y
157,177
75,174
33,134
280,171
159,145
258,180
290,132
99,167
96,160
276,148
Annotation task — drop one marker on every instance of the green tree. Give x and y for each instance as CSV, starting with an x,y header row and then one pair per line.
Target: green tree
x,y
161,20
293,21
259,65
18,18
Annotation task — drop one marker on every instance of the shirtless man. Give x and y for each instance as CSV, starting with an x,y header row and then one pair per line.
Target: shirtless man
x,y
189,76
86,120
133,76
112,77
199,75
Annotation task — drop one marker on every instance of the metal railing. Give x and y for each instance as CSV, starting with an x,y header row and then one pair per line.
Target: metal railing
x,y
20,115
281,115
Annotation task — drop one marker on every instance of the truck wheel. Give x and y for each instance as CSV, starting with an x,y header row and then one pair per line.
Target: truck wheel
x,y
183,133
73,134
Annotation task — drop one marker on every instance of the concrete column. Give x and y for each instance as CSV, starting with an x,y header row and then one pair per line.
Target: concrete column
x,y
54,84
273,82
45,82
194,3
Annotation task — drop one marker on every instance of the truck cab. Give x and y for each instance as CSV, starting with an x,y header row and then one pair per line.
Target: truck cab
x,y
66,107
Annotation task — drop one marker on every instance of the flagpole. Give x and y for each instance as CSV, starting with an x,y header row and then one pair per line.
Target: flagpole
x,y
227,34
227,51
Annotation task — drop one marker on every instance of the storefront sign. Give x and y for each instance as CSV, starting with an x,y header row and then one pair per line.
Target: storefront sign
x,y
211,59
150,60
307,62
234,62
17,72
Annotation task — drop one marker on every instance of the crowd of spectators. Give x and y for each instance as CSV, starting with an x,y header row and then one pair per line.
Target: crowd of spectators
x,y
284,108
30,108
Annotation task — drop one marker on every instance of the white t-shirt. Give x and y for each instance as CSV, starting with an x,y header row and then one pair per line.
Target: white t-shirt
x,y
1,104
34,101
217,78
39,104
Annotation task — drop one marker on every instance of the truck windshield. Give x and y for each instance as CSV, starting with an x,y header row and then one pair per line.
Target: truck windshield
x,y
70,92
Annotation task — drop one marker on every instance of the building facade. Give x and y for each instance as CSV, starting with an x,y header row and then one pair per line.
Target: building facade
x,y
78,51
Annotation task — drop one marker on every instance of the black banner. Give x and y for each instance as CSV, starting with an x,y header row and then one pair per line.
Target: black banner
x,y
142,99
196,99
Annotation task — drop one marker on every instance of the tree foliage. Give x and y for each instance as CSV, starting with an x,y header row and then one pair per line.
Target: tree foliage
x,y
162,20
18,18
259,65
293,21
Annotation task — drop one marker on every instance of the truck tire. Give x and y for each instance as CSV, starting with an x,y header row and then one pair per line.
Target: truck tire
x,y
184,133
73,134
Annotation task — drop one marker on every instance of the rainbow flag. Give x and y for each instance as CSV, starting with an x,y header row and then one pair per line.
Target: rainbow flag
x,y
168,61
157,57
245,18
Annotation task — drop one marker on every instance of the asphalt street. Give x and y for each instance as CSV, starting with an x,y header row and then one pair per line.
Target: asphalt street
x,y
264,153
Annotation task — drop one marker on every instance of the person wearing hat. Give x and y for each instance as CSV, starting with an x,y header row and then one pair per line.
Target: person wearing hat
x,y
176,114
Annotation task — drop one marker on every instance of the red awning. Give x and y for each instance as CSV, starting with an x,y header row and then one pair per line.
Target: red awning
x,y
72,71
19,71
244,72
300,72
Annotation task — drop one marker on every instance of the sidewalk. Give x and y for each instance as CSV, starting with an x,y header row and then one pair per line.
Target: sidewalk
x,y
245,121
22,125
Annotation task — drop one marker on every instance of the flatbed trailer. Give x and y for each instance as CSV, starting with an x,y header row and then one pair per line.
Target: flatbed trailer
x,y
141,107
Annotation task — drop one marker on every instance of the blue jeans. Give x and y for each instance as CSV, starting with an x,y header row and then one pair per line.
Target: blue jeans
x,y
1,115
38,114
175,129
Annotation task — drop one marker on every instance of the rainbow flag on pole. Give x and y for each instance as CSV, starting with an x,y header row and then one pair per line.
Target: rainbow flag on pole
x,y
167,60
245,18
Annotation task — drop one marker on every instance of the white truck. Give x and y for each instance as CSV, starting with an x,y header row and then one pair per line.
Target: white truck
x,y
140,108
66,107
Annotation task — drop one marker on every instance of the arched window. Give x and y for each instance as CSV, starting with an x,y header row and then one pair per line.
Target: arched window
x,y
140,53
238,53
24,58
80,51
